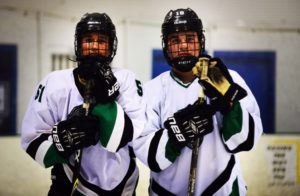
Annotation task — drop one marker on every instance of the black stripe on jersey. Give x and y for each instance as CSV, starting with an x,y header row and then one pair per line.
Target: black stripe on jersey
x,y
153,165
60,182
116,191
34,145
249,142
131,152
159,190
127,133
221,179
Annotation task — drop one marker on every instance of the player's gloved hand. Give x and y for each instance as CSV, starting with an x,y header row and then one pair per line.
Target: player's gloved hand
x,y
219,86
106,86
189,123
77,132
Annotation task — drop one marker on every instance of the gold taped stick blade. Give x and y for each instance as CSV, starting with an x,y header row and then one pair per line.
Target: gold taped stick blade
x,y
196,71
203,77
204,71
201,68
86,106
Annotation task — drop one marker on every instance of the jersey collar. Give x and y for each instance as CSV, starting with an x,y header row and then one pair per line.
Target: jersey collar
x,y
185,85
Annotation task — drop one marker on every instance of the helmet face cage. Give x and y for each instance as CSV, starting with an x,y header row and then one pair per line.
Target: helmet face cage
x,y
102,26
95,44
190,40
182,20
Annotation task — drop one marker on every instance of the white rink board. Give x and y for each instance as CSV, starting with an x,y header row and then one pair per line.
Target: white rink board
x,y
273,169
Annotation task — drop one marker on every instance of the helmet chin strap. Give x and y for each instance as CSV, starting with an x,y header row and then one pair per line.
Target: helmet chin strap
x,y
184,64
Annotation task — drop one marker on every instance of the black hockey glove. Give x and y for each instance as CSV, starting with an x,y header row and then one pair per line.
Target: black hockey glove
x,y
77,132
187,124
106,86
220,88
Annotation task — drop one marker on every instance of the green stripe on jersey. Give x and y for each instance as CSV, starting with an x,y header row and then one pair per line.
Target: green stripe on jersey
x,y
107,114
52,157
235,188
171,152
232,121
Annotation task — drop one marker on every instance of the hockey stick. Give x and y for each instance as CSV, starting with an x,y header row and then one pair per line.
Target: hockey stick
x,y
87,99
203,63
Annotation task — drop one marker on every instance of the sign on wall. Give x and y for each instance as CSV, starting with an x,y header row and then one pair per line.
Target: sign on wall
x,y
8,61
283,162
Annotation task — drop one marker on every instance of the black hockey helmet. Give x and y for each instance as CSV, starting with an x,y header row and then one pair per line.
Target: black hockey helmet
x,y
182,20
96,22
99,23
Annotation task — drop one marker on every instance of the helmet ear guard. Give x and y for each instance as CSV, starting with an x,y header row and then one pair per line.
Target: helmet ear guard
x,y
182,20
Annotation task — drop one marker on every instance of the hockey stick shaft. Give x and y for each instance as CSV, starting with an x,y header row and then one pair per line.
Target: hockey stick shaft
x,y
78,153
196,143
194,162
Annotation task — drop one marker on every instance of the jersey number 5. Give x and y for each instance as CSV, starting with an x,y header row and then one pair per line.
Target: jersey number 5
x,y
139,87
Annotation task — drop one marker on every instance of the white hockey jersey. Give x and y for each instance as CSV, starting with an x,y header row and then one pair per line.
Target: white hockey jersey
x,y
218,169
103,170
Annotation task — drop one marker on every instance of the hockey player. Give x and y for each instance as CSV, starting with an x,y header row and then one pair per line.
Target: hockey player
x,y
228,122
103,132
